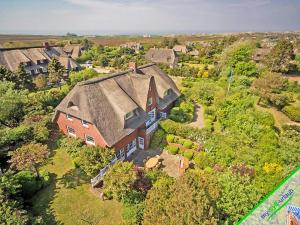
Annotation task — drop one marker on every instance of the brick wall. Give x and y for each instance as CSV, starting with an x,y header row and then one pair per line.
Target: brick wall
x,y
80,130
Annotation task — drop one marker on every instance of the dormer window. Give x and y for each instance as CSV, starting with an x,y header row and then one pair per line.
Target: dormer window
x,y
69,117
129,115
167,92
149,101
85,123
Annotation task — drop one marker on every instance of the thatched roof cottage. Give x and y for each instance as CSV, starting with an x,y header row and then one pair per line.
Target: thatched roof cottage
x,y
162,55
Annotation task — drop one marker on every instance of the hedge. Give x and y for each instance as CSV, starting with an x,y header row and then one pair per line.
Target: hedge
x,y
185,131
188,144
172,149
293,112
159,139
188,154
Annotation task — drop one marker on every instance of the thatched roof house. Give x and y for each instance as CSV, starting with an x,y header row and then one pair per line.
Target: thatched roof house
x,y
73,50
162,55
118,107
35,59
136,46
180,48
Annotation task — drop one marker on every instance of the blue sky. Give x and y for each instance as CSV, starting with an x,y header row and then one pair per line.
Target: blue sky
x,y
147,16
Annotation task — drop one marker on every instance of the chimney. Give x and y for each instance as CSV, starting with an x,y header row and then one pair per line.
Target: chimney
x,y
46,46
133,67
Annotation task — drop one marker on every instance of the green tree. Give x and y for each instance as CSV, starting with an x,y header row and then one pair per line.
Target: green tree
x,y
24,79
6,74
56,71
85,74
92,159
239,196
40,81
246,69
119,179
11,104
29,156
280,56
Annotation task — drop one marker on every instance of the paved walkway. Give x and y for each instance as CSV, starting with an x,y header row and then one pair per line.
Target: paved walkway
x,y
198,120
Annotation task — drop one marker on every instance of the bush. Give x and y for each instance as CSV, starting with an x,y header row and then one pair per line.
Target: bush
x,y
181,141
170,138
293,112
30,183
159,139
188,144
188,154
11,136
201,160
172,149
192,133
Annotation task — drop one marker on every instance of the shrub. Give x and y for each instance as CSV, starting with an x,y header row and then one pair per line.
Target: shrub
x,y
170,138
181,141
188,144
11,136
159,139
201,160
30,183
293,112
188,154
172,149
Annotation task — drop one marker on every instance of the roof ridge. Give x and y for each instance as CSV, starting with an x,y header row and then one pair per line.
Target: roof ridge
x,y
99,79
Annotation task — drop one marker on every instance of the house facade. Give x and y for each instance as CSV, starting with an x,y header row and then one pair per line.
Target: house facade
x,y
36,59
119,111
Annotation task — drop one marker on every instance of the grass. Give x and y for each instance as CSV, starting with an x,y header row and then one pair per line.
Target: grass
x,y
68,199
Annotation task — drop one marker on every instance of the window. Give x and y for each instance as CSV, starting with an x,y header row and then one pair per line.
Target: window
x,y
69,117
71,131
85,123
167,92
129,115
149,102
89,140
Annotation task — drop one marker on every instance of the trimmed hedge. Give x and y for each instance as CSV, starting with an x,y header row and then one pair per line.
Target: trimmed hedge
x,y
170,138
188,144
293,112
172,149
184,131
188,154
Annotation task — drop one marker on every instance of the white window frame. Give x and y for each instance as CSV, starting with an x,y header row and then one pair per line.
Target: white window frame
x,y
84,123
89,142
69,117
70,133
129,115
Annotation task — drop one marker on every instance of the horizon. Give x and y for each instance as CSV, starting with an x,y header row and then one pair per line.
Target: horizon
x,y
157,17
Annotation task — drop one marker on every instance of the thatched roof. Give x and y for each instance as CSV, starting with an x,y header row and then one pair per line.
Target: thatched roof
x,y
12,58
161,55
180,48
73,50
105,101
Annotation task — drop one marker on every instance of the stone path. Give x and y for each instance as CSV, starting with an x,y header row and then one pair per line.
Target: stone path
x,y
198,120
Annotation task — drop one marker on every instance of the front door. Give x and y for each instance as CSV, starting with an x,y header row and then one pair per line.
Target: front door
x,y
141,142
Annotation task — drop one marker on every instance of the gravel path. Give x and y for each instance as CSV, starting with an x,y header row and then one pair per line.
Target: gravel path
x,y
198,120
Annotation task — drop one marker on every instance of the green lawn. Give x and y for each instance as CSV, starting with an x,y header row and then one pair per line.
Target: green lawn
x,y
68,199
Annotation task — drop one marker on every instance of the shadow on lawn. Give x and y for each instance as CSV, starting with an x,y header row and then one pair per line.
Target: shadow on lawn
x,y
73,178
42,200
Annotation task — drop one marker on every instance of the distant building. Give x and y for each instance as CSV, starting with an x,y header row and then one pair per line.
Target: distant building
x,y
36,59
180,48
162,55
73,50
133,45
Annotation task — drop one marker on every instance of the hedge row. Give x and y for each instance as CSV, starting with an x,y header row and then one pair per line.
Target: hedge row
x,y
293,112
185,131
184,142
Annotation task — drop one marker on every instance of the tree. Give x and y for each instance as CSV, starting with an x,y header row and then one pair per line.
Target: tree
x,y
56,71
24,79
6,74
11,104
246,69
40,81
239,196
119,179
92,159
269,87
190,200
29,156
280,56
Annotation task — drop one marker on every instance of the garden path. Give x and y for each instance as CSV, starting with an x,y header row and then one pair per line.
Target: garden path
x,y
198,120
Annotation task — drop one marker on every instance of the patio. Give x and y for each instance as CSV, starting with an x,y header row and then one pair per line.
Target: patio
x,y
169,163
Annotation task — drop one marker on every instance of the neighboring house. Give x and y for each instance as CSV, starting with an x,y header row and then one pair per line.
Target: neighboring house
x,y
180,48
119,111
73,50
194,52
260,54
36,59
133,45
162,55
